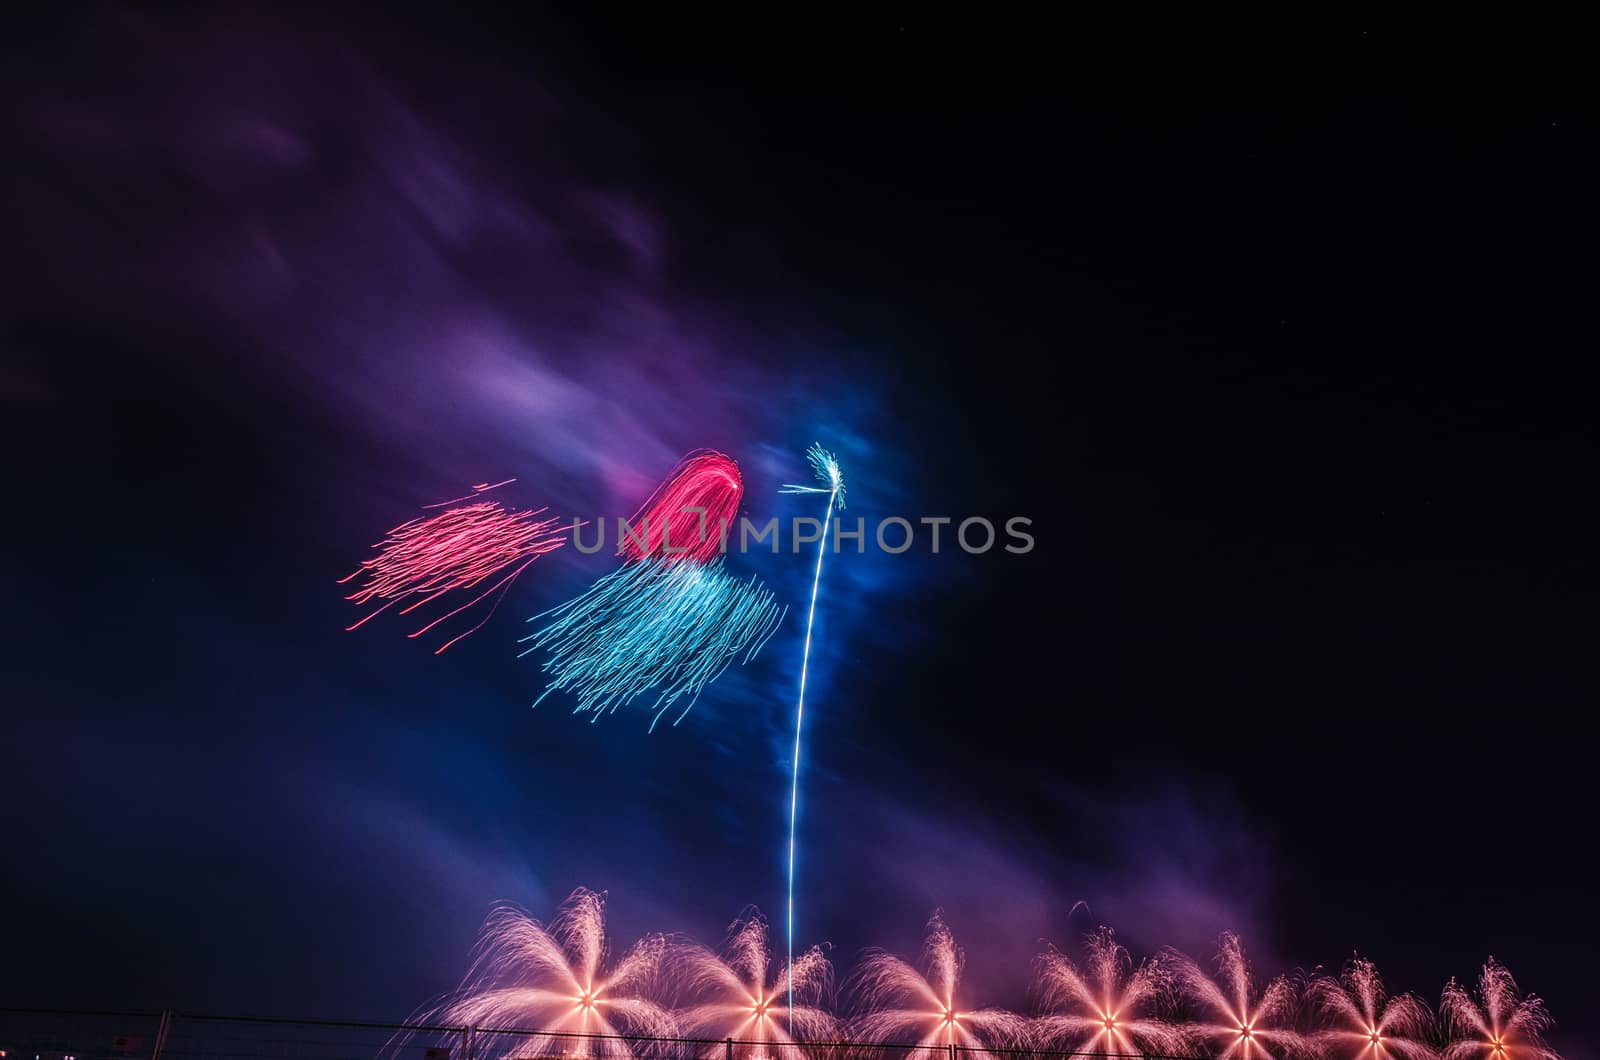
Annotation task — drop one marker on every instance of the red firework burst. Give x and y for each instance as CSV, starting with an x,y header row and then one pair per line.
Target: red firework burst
x,y
688,514
459,549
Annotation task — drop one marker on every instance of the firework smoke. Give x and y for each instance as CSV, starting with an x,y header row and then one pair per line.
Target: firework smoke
x,y
459,549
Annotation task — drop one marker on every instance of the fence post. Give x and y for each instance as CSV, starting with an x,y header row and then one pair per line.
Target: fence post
x,y
471,1042
162,1028
728,1045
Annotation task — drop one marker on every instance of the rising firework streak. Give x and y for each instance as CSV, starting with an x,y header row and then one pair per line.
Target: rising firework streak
x,y
826,469
470,542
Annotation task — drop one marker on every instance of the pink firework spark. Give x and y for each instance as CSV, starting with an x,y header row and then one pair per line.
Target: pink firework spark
x,y
901,1004
460,548
738,994
689,513
1498,1024
1364,1023
554,978
1241,1023
1106,1006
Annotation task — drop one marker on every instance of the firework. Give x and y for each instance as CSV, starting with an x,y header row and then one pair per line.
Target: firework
x,y
1108,1004
826,469
530,979
1238,1021
555,978
688,516
1364,1022
459,549
737,994
902,1004
652,627
1498,1024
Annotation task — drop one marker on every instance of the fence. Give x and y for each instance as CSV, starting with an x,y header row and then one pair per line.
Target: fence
x,y
56,1034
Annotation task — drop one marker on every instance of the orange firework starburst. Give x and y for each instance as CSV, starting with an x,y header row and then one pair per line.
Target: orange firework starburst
x,y
737,994
901,1004
1107,1005
1240,1022
555,978
1498,1024
1364,1023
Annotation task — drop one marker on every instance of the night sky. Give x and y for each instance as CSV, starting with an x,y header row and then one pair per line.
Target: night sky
x,y
1279,345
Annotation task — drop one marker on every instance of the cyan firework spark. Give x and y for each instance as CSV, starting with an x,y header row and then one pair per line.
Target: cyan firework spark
x,y
826,468
654,626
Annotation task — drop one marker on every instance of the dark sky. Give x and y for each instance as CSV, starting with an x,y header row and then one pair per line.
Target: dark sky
x,y
1279,344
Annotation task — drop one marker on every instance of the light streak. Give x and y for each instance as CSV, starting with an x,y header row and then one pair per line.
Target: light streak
x,y
656,625
460,548
826,469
